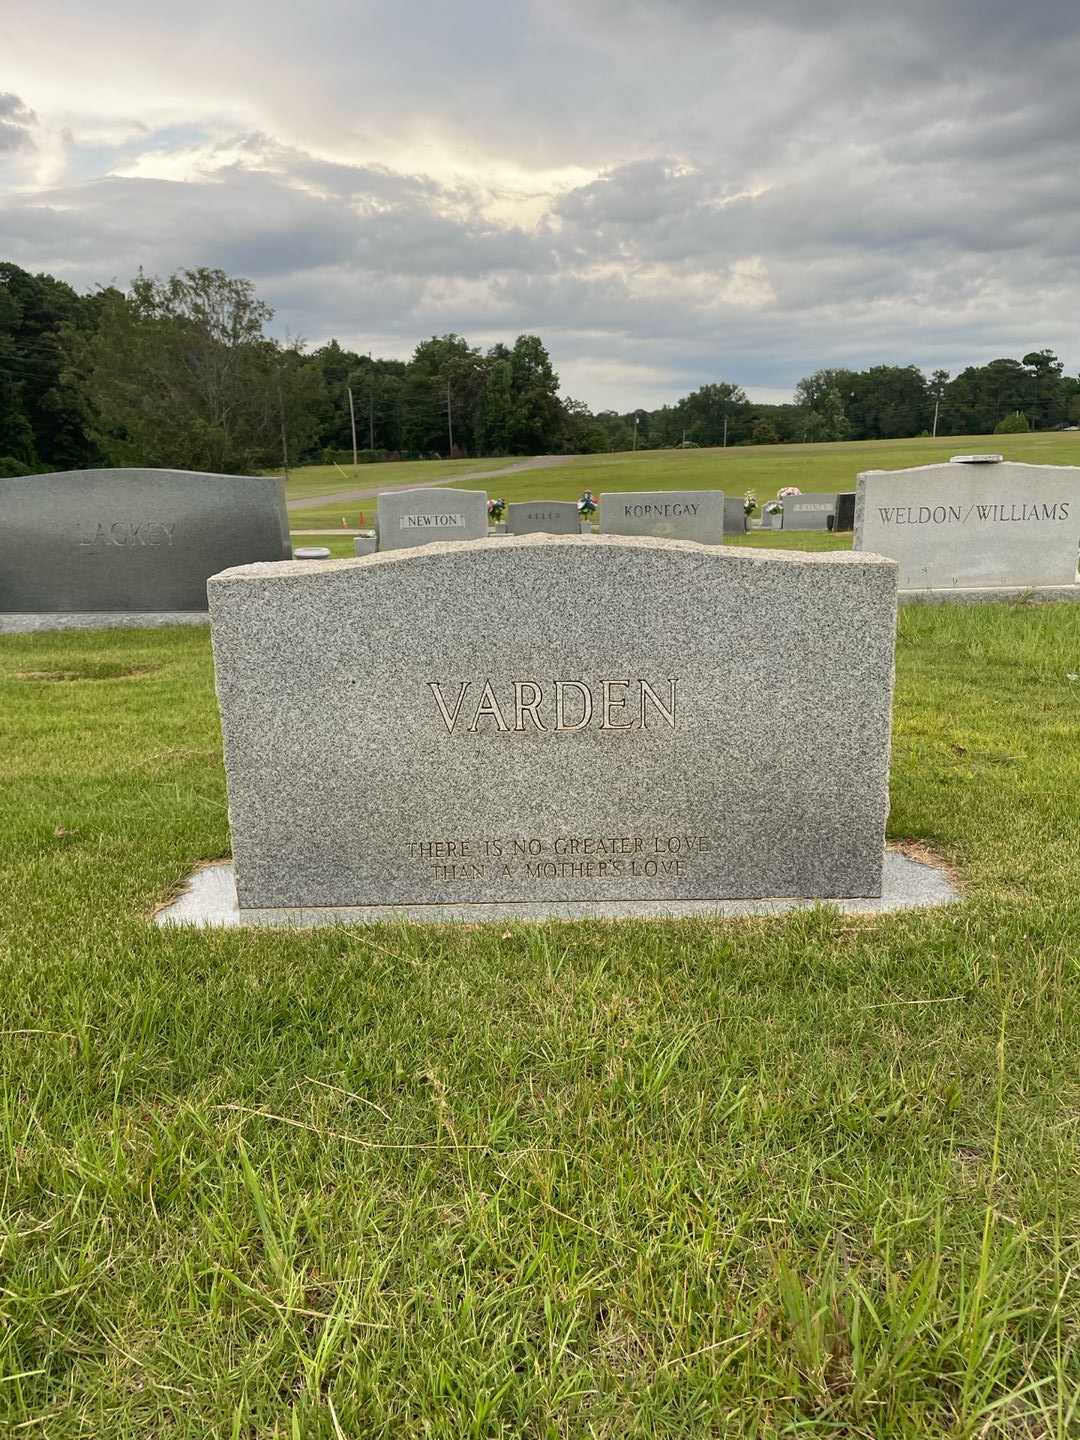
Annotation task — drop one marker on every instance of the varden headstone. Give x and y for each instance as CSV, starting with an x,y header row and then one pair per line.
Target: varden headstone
x,y
543,517
808,512
114,541
417,517
549,719
974,526
675,514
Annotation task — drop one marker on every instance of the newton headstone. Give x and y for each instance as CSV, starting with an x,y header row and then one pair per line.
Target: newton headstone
x,y
976,523
542,719
417,517
111,541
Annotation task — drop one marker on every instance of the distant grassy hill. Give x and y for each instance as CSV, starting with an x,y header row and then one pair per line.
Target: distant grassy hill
x,y
763,469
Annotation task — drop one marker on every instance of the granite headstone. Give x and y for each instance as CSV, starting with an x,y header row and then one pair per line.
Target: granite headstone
x,y
844,513
543,517
808,512
736,520
674,514
418,517
114,541
470,743
973,525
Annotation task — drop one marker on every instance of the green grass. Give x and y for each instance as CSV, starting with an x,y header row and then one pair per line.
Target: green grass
x,y
763,469
806,1176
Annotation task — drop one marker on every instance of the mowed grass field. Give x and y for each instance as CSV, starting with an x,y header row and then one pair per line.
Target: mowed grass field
x,y
805,1176
762,469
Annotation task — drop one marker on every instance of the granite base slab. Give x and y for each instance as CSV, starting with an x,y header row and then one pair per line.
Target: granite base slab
x,y
38,623
209,899
976,595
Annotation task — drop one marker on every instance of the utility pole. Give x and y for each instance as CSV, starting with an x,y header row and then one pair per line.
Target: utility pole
x,y
371,415
725,429
449,421
637,422
352,422
284,432
937,407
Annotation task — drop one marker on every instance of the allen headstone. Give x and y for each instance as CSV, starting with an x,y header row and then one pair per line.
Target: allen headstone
x,y
548,719
543,517
419,517
673,514
973,524
129,541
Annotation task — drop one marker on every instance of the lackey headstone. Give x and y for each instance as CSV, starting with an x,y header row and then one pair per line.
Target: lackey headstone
x,y
469,742
543,517
417,517
808,512
978,526
113,541
675,514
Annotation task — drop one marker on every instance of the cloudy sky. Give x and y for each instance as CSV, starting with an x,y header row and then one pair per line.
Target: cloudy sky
x,y
668,191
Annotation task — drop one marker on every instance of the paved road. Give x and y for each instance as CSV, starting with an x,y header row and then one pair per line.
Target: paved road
x,y
318,502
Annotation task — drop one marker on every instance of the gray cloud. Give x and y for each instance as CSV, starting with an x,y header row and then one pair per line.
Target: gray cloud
x,y
679,191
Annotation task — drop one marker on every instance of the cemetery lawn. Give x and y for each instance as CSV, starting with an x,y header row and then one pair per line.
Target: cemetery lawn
x,y
761,469
814,1176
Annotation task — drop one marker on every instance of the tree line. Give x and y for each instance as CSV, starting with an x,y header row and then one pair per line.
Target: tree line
x,y
181,372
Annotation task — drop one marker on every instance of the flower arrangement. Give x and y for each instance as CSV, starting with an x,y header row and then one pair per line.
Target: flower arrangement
x,y
773,508
586,506
788,490
496,510
749,503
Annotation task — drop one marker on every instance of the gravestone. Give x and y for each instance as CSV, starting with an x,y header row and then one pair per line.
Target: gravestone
x,y
543,517
984,525
365,543
113,541
844,513
311,552
418,517
471,743
736,520
808,512
675,514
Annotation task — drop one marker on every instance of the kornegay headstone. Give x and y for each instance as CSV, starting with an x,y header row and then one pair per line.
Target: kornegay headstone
x,y
539,719
973,525
674,514
543,517
808,512
114,541
418,517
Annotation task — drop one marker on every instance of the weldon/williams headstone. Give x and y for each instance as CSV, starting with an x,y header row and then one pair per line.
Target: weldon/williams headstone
x,y
985,525
419,517
543,517
112,541
808,512
676,514
470,744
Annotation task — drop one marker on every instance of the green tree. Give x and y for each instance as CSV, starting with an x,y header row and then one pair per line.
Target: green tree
x,y
764,433
1015,424
537,415
180,374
